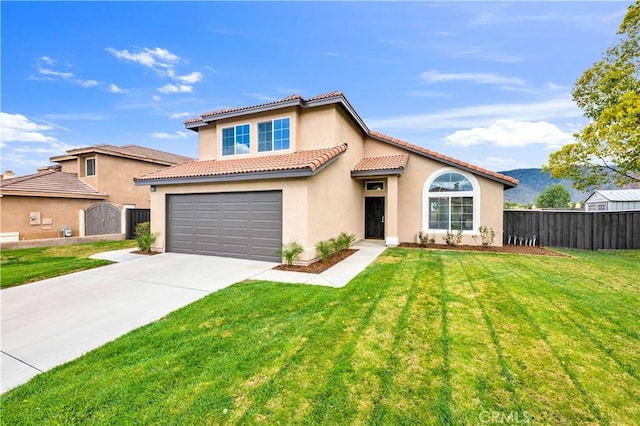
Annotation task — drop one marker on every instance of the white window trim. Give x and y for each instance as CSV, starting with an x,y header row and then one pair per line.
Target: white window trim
x,y
234,127
95,166
271,120
475,193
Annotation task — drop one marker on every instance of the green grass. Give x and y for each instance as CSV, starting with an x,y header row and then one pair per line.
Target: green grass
x,y
27,265
420,337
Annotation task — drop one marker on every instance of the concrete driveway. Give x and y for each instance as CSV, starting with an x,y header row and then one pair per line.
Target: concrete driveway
x,y
50,322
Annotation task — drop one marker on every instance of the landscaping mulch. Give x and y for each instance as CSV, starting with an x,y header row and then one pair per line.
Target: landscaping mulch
x,y
147,253
319,266
533,250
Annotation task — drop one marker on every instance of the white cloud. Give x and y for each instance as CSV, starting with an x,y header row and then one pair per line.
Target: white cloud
x,y
152,58
18,128
176,135
192,78
87,83
177,115
480,116
479,78
49,72
496,163
172,88
113,88
511,134
47,60
75,116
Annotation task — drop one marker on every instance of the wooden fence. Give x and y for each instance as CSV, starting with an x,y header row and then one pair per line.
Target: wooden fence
x,y
573,229
134,217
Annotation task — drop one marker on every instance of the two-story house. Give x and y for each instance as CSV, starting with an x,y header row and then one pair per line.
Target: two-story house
x,y
57,197
306,170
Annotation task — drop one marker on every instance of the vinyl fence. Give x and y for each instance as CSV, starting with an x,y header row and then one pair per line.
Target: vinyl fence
x,y
573,229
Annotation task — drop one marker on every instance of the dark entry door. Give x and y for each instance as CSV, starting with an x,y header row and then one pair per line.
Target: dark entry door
x,y
374,218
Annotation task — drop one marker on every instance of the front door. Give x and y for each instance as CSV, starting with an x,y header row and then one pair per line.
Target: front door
x,y
374,218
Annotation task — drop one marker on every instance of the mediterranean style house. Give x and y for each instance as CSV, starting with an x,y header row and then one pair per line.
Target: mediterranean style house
x,y
42,204
305,170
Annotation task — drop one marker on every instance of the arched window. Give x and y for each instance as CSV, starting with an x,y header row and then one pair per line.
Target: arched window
x,y
451,201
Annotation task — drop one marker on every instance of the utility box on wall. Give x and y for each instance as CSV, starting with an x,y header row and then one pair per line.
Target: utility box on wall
x,y
34,218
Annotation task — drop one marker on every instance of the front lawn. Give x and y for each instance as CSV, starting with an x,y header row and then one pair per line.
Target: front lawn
x,y
420,337
22,266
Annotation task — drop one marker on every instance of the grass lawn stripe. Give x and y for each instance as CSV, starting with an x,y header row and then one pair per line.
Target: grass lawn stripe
x,y
609,379
387,409
505,371
546,335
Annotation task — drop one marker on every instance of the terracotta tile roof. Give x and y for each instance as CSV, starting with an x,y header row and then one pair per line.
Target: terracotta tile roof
x,y
389,162
508,180
291,98
129,151
310,160
49,182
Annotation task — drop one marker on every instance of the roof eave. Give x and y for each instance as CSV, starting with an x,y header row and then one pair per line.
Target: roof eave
x,y
377,173
244,111
507,184
231,177
23,193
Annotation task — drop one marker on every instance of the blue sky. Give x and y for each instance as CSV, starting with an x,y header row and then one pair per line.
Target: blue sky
x,y
488,83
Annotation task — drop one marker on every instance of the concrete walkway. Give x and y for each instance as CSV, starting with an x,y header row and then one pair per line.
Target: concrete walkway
x,y
53,321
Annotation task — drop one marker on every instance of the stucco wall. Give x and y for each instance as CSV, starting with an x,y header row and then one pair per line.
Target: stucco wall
x,y
294,205
61,212
411,202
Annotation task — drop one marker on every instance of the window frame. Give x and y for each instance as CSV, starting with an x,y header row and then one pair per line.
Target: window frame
x,y
272,133
235,139
474,194
86,166
371,182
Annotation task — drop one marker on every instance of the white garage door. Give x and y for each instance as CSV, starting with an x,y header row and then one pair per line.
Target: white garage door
x,y
245,225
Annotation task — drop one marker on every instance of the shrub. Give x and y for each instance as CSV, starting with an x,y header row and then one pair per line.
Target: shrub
x,y
423,238
324,248
291,251
345,240
452,239
144,237
487,235
334,244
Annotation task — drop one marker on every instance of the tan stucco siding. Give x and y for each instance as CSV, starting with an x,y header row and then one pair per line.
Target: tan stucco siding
x,y
294,205
210,136
411,202
317,128
114,176
55,213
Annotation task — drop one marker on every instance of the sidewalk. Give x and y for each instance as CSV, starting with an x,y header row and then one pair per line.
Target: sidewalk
x,y
337,276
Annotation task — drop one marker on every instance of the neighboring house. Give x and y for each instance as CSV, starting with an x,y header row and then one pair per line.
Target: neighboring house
x,y
613,200
305,170
99,178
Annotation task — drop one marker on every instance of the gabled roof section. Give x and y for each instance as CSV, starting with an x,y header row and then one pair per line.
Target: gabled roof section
x,y
334,97
618,194
296,164
50,183
379,166
507,181
134,152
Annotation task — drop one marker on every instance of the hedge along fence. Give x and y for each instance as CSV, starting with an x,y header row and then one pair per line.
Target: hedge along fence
x,y
574,229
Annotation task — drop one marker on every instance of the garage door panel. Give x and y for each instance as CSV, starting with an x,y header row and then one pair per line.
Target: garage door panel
x,y
242,224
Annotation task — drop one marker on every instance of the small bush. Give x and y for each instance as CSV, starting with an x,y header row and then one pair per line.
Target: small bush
x,y
334,244
452,239
487,236
291,251
324,248
144,237
345,240
424,239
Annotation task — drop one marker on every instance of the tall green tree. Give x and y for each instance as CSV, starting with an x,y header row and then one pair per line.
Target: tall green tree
x,y
554,196
607,150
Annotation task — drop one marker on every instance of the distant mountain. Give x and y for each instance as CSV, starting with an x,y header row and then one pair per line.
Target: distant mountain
x,y
533,182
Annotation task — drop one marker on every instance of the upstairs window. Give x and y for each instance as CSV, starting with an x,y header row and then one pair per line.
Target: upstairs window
x,y
235,140
90,166
274,135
